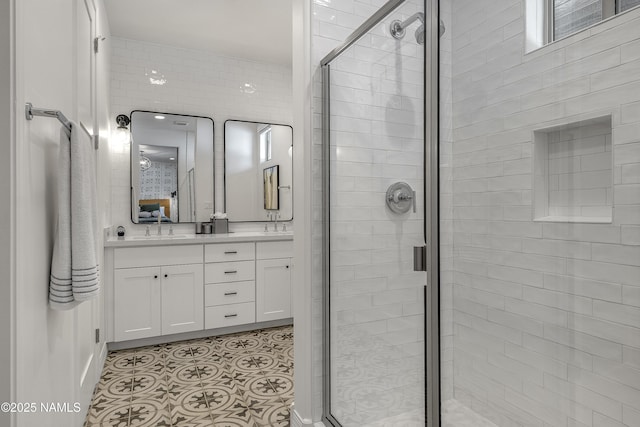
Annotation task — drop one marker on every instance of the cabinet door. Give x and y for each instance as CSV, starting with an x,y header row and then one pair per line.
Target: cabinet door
x,y
273,289
182,299
137,303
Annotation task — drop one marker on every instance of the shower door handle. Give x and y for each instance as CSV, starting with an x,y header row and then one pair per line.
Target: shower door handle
x,y
419,258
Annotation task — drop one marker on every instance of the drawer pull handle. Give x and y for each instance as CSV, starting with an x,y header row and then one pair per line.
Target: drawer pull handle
x,y
230,252
230,315
230,293
231,272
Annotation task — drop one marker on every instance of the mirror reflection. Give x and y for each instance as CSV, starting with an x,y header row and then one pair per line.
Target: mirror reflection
x,y
171,168
258,170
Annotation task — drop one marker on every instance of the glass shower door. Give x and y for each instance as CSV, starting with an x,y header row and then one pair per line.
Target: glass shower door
x,y
375,151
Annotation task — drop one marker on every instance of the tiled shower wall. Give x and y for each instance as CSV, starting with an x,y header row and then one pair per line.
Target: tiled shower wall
x,y
546,314
197,83
376,302
380,137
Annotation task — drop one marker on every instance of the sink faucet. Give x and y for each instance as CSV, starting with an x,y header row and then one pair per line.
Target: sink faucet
x,y
270,217
276,216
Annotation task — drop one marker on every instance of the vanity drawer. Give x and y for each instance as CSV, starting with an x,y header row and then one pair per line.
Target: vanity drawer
x,y
157,255
274,250
222,252
229,315
222,272
229,293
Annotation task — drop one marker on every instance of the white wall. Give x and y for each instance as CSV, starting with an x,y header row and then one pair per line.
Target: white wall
x,y
547,315
46,363
198,83
7,230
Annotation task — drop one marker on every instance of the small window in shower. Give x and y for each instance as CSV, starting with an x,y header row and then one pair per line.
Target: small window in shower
x,y
571,16
573,174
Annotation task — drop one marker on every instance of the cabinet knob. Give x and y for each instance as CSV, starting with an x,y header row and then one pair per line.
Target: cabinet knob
x,y
155,277
166,275
287,266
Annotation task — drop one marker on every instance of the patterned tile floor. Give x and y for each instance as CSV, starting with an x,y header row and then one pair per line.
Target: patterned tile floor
x,y
243,379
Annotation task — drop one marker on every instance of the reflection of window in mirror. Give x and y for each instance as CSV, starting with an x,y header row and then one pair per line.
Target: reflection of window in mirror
x,y
265,144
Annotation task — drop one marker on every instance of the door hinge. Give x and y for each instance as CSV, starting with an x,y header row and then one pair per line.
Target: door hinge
x,y
419,258
97,335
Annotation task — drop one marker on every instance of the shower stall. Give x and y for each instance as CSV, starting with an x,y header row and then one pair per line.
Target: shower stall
x,y
481,196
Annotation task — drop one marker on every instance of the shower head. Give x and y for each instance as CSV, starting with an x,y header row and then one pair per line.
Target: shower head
x,y
398,27
420,34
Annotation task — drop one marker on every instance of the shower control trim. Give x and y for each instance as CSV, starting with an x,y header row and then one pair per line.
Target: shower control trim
x,y
400,198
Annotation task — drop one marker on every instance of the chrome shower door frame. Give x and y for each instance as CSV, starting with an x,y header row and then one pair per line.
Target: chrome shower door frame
x,y
431,205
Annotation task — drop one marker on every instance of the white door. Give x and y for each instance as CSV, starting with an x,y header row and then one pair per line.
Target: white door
x,y
137,303
182,298
273,289
87,315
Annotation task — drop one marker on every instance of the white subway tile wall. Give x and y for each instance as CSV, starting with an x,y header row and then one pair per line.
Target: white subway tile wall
x,y
147,76
539,321
546,317
377,314
377,126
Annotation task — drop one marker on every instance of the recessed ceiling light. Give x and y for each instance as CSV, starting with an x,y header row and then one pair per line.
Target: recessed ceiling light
x,y
159,117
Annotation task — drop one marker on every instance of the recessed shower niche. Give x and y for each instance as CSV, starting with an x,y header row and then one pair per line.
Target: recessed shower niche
x,y
573,176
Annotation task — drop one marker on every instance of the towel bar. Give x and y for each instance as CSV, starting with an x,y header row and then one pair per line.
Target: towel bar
x,y
30,112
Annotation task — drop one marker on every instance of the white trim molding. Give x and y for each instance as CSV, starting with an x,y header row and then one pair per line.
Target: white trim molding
x,y
297,421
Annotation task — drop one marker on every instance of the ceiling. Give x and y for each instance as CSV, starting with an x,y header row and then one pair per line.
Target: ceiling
x,y
253,29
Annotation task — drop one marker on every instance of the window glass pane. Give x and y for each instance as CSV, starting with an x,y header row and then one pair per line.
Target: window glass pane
x,y
628,4
573,15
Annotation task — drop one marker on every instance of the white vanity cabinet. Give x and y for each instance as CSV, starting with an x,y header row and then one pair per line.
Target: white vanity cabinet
x,y
189,288
157,291
137,303
229,273
273,280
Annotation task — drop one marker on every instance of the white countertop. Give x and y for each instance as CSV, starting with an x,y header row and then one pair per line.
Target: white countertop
x,y
198,239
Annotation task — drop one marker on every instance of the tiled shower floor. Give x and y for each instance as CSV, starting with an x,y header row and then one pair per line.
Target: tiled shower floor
x,y
234,380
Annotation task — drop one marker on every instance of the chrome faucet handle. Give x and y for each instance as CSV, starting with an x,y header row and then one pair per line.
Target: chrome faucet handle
x,y
276,215
159,230
147,232
171,230
266,228
284,226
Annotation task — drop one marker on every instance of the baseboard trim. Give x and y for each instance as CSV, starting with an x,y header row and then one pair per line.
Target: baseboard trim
x,y
164,339
297,421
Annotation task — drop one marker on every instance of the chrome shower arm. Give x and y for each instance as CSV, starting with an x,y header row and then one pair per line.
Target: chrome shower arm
x,y
410,20
398,27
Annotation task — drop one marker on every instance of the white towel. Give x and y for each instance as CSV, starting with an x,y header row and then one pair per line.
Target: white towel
x,y
74,268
